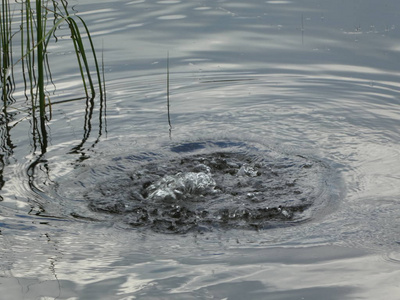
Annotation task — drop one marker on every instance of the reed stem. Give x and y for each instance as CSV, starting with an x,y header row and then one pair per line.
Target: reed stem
x,y
40,59
169,117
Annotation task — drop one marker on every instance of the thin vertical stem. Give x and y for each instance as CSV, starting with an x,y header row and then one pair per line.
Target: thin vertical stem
x,y
169,118
40,67
5,29
40,60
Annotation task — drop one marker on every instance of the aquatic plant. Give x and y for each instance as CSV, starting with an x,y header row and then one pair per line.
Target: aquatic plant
x,y
169,116
6,79
35,33
5,46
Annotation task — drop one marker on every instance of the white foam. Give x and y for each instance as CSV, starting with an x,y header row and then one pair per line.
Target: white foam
x,y
181,185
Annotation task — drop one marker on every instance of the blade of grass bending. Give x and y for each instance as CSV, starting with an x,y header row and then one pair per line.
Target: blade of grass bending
x,y
45,38
72,25
80,50
94,57
83,53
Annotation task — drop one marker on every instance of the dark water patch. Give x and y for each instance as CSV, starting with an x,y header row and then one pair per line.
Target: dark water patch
x,y
202,186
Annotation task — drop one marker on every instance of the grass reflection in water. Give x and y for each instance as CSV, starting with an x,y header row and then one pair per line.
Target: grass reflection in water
x,y
27,29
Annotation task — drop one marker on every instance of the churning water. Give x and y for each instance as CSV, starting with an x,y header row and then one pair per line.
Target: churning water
x,y
280,180
199,186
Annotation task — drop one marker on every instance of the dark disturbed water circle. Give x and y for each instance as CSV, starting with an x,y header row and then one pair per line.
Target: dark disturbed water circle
x,y
202,186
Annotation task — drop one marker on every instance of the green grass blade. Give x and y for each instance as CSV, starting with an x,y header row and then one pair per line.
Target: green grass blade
x,y
40,59
79,51
94,57
168,105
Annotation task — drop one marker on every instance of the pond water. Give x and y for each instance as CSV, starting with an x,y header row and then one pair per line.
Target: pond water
x,y
278,180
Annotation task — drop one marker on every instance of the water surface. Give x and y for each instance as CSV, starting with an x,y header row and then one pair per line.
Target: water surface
x,y
312,78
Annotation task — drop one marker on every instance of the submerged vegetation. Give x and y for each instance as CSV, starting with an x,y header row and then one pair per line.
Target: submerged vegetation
x,y
32,26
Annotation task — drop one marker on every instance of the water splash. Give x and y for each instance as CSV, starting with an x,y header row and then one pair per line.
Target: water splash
x,y
210,185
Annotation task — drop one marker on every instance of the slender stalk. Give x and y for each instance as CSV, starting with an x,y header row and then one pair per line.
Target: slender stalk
x,y
40,59
5,47
169,118
103,97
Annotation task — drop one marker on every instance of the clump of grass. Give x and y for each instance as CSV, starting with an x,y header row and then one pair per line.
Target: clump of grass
x,y
36,45
36,32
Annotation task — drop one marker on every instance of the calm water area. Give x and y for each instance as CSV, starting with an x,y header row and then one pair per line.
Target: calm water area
x,y
312,78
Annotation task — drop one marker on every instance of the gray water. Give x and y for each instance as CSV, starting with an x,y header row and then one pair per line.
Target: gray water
x,y
312,79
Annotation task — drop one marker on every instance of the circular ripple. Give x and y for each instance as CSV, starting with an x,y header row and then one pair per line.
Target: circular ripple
x,y
205,185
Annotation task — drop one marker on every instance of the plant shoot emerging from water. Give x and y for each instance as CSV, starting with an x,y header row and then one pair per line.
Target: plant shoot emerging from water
x,y
39,22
